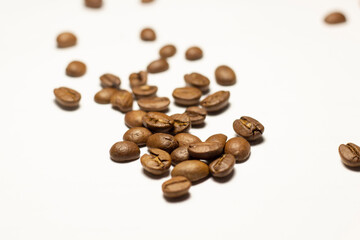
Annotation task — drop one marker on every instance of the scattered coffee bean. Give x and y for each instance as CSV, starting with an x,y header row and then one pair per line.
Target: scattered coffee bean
x,y
154,104
138,79
198,81
148,34
157,162
65,40
158,122
104,95
76,69
239,148
197,115
163,141
122,100
144,91
134,118
216,101
205,150
194,53
179,155
167,51
67,97
225,76
157,66
110,81
218,138
138,135
248,128
335,18
187,96
181,123
350,154
93,3
124,151
185,139
194,170
176,187
222,166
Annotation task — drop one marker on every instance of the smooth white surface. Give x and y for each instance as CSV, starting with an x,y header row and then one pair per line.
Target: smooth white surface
x,y
296,75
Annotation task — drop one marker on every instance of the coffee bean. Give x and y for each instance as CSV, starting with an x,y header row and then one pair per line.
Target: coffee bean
x,y
225,76
104,95
147,1
194,170
194,53
335,18
176,187
144,91
248,128
218,138
350,154
179,155
167,51
181,123
198,81
122,100
157,66
124,151
148,34
110,81
157,162
134,118
163,141
76,69
93,3
185,139
205,150
222,166
216,101
158,122
138,135
187,96
67,97
138,79
65,40
197,115
239,148
154,104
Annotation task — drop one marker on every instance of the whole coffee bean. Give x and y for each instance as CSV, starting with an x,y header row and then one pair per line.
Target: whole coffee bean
x,y
138,79
104,95
205,150
239,148
138,135
144,91
109,80
194,170
222,166
198,81
124,151
157,162
197,115
225,76
167,51
248,128
67,97
179,155
157,66
148,34
216,101
350,154
185,139
76,69
218,138
122,100
65,40
154,104
335,18
134,118
93,3
176,187
181,123
163,141
158,122
194,53
187,96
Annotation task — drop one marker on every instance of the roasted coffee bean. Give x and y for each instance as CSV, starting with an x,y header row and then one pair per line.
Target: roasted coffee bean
x,y
163,141
145,91
167,51
185,139
179,155
124,151
138,79
158,122
67,97
198,81
109,80
134,118
216,101
218,138
350,154
205,150
138,135
335,18
197,115
248,128
148,34
187,96
104,95
181,123
239,148
225,76
194,53
76,69
194,170
154,104
93,3
157,162
147,1
65,40
176,187
222,166
122,100
157,66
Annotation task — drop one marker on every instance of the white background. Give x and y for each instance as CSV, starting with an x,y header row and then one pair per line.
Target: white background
x,y
296,75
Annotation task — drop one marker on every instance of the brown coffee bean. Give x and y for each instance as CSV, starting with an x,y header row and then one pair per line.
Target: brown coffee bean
x,y
110,81
197,115
198,81
225,76
218,138
67,97
185,139
194,170
124,151
167,51
216,101
350,154
157,162
187,96
194,53
138,79
248,128
205,150
147,1
181,123
335,18
104,95
179,155
134,118
138,135
122,100
76,69
222,166
239,148
158,122
163,141
145,91
148,34
65,40
157,66
154,104
93,3
176,187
